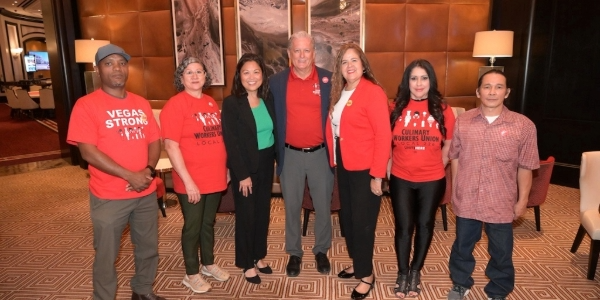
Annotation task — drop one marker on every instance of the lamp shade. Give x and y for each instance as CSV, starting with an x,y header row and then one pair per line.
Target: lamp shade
x,y
493,44
85,50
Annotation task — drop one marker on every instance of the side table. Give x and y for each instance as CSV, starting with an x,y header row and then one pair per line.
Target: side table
x,y
163,167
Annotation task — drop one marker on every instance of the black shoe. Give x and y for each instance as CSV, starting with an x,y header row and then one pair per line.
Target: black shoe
x,y
344,274
402,285
323,265
135,296
357,295
254,280
293,266
265,270
414,281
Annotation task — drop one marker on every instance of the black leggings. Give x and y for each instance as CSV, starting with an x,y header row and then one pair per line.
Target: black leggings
x,y
414,205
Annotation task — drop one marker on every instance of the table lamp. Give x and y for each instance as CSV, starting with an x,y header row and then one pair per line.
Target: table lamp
x,y
85,52
493,44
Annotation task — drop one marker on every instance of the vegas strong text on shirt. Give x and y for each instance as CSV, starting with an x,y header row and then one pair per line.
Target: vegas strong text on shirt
x,y
121,129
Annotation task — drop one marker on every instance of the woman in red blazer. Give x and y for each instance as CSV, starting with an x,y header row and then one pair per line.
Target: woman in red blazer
x,y
359,138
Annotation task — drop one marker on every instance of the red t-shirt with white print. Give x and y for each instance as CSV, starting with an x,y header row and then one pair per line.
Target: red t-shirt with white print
x,y
121,129
195,123
417,141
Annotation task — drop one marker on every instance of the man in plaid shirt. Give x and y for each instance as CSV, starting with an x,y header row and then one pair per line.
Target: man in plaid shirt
x,y
493,153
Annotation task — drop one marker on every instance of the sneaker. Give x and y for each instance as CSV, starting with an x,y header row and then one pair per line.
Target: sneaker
x,y
216,272
198,285
458,292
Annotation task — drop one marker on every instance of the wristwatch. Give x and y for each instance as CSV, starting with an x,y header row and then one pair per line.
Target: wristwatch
x,y
152,170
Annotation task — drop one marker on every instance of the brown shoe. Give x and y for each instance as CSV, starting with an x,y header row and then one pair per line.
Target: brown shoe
x,y
152,296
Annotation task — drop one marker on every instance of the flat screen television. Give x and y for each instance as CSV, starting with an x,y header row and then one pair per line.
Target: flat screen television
x,y
29,63
41,60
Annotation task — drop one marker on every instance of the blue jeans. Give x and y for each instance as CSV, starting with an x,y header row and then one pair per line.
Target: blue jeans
x,y
500,269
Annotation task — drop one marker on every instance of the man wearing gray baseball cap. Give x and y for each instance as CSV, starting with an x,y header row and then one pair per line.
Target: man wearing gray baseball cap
x,y
118,136
109,49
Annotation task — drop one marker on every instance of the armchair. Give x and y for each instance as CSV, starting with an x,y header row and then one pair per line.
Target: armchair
x,y
589,201
539,188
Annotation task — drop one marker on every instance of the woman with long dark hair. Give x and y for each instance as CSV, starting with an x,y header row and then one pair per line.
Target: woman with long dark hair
x,y
422,124
249,135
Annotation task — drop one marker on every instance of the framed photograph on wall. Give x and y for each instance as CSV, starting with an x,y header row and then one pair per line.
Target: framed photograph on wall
x,y
264,27
333,23
199,33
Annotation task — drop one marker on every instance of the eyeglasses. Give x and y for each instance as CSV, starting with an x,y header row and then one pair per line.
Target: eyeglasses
x,y
190,73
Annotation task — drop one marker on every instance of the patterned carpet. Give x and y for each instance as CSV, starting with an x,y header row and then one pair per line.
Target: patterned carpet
x,y
46,251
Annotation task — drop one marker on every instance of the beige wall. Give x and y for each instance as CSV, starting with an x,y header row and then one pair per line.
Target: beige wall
x,y
396,32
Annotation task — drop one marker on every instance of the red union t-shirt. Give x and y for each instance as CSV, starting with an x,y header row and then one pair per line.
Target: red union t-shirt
x,y
120,128
417,140
196,125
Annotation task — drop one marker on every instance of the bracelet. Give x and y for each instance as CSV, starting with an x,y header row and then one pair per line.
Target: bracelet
x,y
152,170
376,179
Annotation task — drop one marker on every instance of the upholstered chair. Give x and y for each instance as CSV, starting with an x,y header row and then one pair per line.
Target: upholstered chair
x,y
589,206
539,188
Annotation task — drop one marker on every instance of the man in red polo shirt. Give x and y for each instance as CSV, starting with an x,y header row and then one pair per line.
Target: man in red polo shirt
x,y
118,136
301,96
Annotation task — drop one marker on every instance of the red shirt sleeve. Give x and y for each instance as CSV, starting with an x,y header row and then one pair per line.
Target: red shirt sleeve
x,y
171,119
83,126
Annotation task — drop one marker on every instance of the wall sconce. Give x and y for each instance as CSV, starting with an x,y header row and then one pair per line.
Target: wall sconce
x,y
16,52
493,44
85,52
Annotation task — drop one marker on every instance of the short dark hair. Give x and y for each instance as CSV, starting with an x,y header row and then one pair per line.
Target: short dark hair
x,y
184,64
492,71
238,89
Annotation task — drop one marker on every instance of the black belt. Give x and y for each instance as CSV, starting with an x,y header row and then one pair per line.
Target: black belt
x,y
305,150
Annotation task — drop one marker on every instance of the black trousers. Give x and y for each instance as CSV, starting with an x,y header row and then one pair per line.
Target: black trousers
x,y
358,215
252,213
414,205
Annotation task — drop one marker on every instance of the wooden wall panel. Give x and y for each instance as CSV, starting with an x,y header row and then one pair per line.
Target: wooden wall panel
x,y
92,8
94,27
158,77
385,28
125,31
441,31
463,22
388,68
154,5
120,6
154,35
299,17
427,27
396,31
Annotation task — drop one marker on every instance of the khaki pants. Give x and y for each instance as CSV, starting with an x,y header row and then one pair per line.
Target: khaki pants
x,y
109,218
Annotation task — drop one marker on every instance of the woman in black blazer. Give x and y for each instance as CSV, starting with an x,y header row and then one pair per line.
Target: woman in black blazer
x,y
248,121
